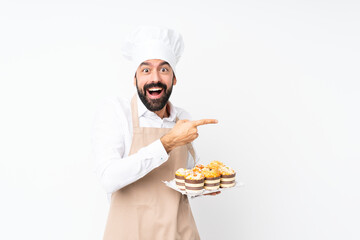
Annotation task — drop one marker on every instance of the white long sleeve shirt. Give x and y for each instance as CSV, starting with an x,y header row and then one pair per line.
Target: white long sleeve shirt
x,y
112,138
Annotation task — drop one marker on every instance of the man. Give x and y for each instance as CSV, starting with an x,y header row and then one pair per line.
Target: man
x,y
142,142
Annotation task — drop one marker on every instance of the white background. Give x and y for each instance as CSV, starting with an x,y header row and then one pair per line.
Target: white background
x,y
282,78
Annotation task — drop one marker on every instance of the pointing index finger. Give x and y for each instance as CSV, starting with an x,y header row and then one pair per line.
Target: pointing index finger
x,y
205,121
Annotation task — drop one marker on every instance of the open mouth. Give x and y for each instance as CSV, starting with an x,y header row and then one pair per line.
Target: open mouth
x,y
155,92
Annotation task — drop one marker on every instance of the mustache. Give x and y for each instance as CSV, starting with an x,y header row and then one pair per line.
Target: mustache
x,y
151,85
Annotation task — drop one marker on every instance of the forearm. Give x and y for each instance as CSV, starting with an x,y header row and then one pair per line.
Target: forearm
x,y
115,172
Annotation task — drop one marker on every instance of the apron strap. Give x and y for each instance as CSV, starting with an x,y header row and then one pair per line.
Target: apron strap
x,y
134,112
191,151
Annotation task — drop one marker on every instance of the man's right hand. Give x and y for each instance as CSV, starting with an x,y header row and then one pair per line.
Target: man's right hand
x,y
183,132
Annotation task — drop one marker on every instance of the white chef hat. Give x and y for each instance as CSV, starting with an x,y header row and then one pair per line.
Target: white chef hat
x,y
150,42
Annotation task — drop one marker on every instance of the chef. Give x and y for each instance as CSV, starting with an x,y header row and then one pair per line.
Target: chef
x,y
140,142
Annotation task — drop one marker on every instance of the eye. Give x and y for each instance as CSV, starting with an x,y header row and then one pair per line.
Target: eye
x,y
145,70
164,69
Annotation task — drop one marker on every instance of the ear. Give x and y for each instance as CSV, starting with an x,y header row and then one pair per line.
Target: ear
x,y
135,81
174,82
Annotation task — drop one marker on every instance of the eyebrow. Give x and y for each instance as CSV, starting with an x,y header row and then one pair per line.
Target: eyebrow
x,y
164,63
144,63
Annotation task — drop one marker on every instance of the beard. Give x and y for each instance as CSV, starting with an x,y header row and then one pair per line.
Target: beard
x,y
154,104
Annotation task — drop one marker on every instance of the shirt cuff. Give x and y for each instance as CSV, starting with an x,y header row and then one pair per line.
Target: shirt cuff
x,y
159,151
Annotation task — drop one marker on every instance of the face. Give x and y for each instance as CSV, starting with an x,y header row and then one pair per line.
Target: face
x,y
154,80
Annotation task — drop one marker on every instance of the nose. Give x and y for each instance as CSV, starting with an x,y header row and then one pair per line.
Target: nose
x,y
155,77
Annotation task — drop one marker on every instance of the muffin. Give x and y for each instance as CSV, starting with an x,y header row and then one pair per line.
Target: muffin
x,y
194,182
227,177
212,178
180,178
198,168
215,165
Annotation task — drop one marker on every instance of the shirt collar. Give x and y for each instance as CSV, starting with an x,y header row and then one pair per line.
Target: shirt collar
x,y
144,112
